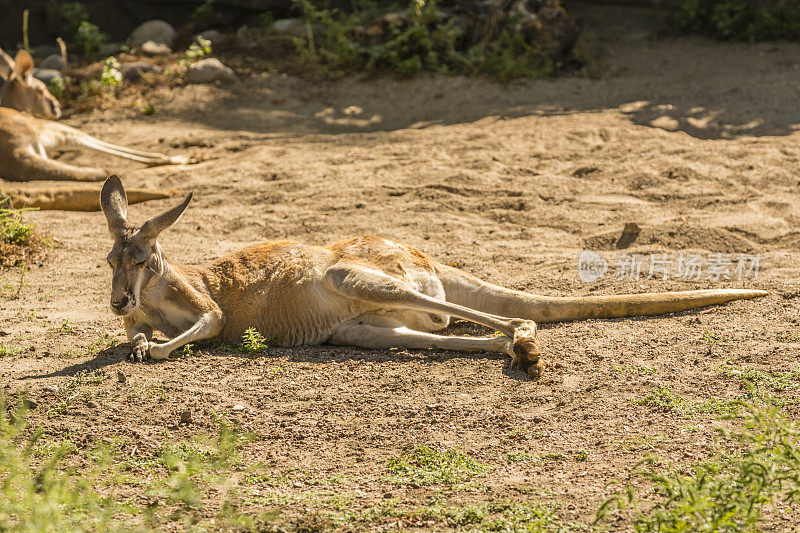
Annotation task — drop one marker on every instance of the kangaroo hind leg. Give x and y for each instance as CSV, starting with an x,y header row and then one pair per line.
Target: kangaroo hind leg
x,y
387,292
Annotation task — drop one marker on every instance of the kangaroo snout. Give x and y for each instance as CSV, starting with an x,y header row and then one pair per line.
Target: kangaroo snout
x,y
119,303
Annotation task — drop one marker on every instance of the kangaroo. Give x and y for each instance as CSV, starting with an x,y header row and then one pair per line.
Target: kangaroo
x,y
368,292
25,139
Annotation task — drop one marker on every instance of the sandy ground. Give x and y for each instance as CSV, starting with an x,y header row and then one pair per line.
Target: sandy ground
x,y
510,183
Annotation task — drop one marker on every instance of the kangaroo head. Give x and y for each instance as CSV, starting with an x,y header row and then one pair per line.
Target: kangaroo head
x,y
136,256
23,92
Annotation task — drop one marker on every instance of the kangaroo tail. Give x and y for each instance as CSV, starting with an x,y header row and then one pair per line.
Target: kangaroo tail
x,y
467,290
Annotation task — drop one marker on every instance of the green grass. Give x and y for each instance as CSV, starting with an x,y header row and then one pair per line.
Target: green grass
x,y
426,466
666,400
633,369
418,39
49,484
739,20
10,350
775,381
499,516
12,229
727,494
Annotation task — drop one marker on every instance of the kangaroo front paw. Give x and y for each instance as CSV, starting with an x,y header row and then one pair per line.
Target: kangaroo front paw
x,y
180,160
139,353
158,351
526,350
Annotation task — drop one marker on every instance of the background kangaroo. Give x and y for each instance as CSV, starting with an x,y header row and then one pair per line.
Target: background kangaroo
x,y
368,292
25,140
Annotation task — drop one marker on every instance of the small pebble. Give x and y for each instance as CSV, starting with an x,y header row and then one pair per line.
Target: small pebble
x,y
238,407
121,376
92,404
51,388
186,417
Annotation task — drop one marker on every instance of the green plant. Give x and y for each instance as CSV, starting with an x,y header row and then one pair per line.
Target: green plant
x,y
145,108
12,229
729,493
253,341
508,56
87,36
426,466
73,13
90,38
199,49
51,484
12,290
9,350
666,400
111,77
412,42
739,20
203,14
373,41
57,86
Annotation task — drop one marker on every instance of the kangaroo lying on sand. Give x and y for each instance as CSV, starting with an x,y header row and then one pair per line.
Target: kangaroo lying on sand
x,y
368,292
25,140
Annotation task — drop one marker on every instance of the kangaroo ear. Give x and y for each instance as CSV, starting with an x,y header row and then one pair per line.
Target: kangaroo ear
x,y
162,221
24,65
7,65
114,204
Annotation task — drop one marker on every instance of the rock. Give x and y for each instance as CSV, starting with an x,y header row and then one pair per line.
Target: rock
x,y
110,49
44,50
291,26
239,407
52,62
121,376
211,35
92,404
152,48
51,389
32,404
210,70
186,417
4,333
46,75
156,31
133,71
665,123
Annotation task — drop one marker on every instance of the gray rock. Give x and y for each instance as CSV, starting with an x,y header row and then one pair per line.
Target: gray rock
x,y
133,71
210,70
152,48
43,50
110,49
46,75
157,31
52,62
286,25
296,27
212,35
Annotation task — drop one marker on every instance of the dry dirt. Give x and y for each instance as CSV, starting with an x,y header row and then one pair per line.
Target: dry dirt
x,y
507,182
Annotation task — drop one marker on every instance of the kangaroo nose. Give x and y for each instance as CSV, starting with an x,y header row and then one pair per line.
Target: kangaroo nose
x,y
119,302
